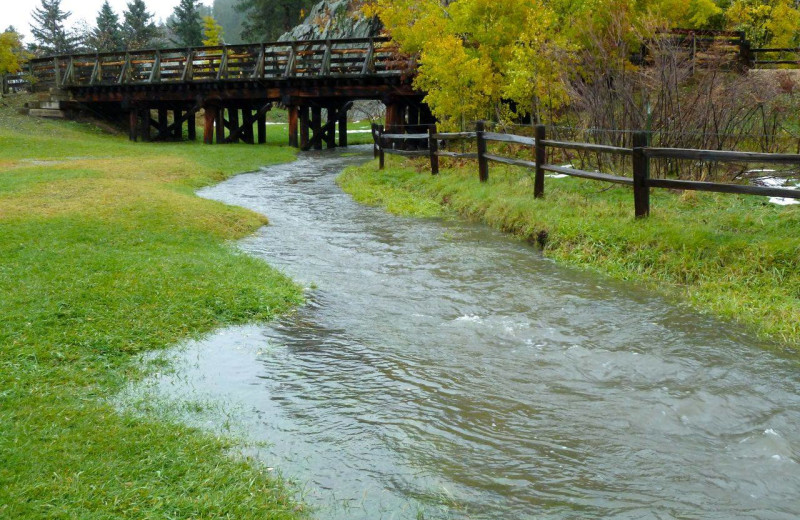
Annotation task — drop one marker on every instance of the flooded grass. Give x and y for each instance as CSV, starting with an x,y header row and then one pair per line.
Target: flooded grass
x,y
734,256
107,254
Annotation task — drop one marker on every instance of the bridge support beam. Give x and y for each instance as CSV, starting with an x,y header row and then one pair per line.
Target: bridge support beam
x,y
163,123
316,127
144,124
261,125
242,129
343,128
210,119
191,128
219,127
294,115
322,134
304,127
393,117
176,128
133,121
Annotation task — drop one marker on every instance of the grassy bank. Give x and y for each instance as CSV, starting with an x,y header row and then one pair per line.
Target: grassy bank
x,y
107,253
734,256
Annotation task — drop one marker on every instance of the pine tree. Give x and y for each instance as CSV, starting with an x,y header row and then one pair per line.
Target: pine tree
x,y
48,30
186,25
268,19
230,19
212,32
138,29
107,36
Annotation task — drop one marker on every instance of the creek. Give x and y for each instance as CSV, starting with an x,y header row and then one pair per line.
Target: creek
x,y
441,369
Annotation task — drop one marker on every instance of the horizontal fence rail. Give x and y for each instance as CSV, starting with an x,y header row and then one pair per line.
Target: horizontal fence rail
x,y
641,154
764,58
339,58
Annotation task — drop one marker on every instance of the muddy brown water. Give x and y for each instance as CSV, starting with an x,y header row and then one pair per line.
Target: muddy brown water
x,y
443,370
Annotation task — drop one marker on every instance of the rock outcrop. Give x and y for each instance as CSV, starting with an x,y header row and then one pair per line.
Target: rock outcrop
x,y
334,19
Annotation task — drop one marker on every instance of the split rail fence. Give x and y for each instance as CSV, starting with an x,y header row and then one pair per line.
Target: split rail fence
x,y
641,153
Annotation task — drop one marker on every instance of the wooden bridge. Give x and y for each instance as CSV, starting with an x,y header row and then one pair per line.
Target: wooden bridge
x,y
236,85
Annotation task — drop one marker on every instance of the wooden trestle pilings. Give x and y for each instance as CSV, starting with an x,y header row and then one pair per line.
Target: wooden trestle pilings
x,y
162,92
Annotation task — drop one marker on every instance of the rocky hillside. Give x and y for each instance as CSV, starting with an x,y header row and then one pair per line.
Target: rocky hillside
x,y
334,19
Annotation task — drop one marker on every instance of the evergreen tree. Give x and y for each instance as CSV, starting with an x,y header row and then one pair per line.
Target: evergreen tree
x,y
82,33
186,25
138,29
268,19
230,19
107,36
49,31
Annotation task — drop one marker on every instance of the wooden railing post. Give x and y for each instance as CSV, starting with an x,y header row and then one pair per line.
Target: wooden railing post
x,y
95,71
56,73
367,67
289,71
188,69
541,158
326,58
69,74
641,173
222,72
483,162
381,155
155,72
433,150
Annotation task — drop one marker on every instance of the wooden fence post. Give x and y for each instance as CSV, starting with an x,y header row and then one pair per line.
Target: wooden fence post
x,y
433,149
381,155
541,159
483,163
746,57
641,172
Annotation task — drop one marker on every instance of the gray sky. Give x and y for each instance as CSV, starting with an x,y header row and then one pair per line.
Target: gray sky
x,y
18,12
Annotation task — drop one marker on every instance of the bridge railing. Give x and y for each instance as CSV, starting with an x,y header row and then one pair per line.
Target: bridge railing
x,y
641,153
352,57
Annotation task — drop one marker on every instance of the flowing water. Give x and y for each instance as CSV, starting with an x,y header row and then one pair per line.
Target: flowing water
x,y
443,370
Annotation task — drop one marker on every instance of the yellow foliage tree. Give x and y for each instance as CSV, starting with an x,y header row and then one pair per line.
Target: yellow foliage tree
x,y
501,59
475,55
11,52
772,23
212,32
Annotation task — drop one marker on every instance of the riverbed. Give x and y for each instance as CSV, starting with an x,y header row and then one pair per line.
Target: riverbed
x,y
441,369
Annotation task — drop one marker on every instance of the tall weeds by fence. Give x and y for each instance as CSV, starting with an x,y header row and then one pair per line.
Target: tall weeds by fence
x,y
628,165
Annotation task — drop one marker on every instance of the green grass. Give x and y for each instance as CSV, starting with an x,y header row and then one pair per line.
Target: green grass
x,y
106,254
737,257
